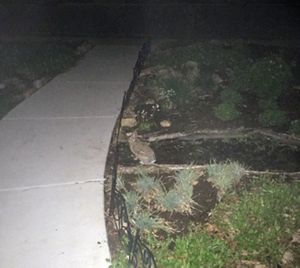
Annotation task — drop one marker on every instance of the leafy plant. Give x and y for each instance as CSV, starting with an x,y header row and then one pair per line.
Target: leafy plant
x,y
181,94
269,77
273,118
225,175
295,127
268,104
226,111
146,126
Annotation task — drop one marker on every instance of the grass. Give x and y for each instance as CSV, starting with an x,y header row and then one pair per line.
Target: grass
x,y
192,251
260,223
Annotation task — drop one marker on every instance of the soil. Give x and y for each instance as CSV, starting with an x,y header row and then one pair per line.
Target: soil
x,y
256,153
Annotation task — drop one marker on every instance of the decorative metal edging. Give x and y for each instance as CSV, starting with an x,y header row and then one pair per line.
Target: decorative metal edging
x,y
140,256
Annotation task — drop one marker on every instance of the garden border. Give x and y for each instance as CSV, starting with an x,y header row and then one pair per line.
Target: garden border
x,y
139,254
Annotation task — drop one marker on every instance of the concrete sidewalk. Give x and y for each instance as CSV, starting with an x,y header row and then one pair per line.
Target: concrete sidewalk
x,y
53,148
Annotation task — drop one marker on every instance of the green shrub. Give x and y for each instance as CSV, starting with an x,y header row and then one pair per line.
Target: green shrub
x,y
226,111
181,93
295,127
273,118
231,96
269,77
268,104
146,126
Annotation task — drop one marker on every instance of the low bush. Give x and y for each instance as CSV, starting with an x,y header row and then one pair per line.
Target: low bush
x,y
226,111
273,118
295,127
231,96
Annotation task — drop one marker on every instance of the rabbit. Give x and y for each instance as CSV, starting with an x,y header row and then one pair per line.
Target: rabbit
x,y
141,150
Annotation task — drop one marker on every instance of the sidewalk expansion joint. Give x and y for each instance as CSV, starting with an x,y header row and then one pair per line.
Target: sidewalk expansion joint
x,y
47,186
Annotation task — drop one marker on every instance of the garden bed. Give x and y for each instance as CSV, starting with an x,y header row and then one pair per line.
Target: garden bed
x,y
221,122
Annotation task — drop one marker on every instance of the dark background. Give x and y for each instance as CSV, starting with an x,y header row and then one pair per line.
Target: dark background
x,y
189,19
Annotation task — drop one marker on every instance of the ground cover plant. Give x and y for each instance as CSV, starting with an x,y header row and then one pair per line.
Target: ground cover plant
x,y
25,66
232,109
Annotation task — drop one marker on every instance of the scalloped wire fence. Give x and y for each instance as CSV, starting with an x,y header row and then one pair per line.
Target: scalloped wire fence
x,y
139,254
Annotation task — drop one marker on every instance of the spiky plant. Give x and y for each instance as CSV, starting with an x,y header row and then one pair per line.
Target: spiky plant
x,y
148,186
187,175
185,180
132,200
120,184
225,175
170,201
147,222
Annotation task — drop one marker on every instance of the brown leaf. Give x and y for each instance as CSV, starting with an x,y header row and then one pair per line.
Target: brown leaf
x,y
296,237
287,258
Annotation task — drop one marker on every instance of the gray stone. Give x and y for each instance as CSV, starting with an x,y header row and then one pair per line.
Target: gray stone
x,y
191,71
2,86
217,79
128,122
39,82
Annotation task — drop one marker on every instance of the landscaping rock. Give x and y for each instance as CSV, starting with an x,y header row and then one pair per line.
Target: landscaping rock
x,y
39,82
165,123
191,71
128,122
217,79
83,48
2,86
170,73
28,92
148,71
